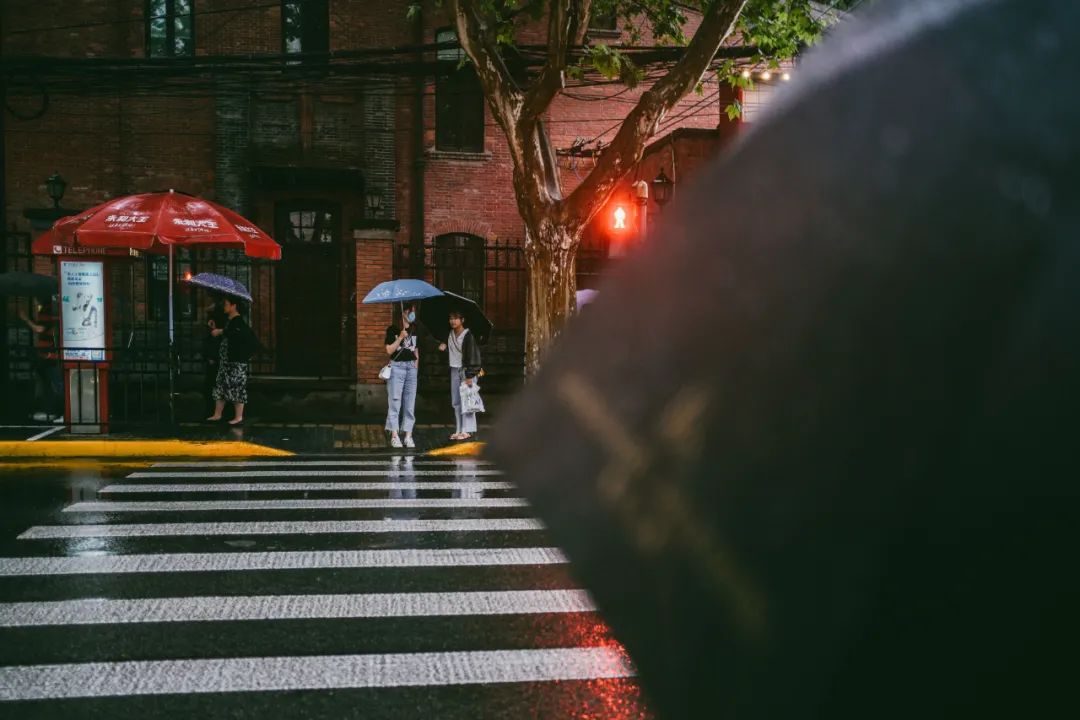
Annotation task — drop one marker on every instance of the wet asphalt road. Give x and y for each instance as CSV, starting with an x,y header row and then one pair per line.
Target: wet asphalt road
x,y
384,587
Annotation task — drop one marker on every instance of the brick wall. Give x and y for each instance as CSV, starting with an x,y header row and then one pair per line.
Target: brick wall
x,y
108,143
475,194
374,264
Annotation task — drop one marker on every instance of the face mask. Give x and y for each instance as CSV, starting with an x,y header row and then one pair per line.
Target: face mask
x,y
411,317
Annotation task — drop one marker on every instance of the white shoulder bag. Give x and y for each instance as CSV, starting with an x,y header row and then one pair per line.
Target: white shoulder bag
x,y
385,372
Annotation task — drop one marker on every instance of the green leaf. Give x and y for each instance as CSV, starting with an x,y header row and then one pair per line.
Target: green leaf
x,y
413,12
734,110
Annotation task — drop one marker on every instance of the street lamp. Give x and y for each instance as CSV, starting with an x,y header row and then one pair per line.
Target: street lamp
x,y
373,201
55,186
662,186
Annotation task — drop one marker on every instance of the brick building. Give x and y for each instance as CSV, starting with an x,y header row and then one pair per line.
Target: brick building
x,y
346,130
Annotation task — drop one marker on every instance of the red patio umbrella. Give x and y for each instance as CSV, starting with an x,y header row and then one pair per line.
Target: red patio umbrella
x,y
155,222
159,222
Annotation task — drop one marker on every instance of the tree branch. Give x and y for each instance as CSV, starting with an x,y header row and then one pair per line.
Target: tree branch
x,y
568,21
477,37
629,143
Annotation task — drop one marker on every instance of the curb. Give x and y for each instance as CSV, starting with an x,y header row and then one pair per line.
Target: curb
x,y
46,449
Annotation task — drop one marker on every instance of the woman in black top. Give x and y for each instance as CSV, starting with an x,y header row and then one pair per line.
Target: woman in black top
x,y
238,344
404,352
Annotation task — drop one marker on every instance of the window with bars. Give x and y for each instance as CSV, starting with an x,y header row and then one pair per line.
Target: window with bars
x,y
157,287
307,223
305,26
460,264
459,103
170,28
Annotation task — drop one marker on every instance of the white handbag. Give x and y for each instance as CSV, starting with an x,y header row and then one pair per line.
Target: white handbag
x,y
386,371
471,402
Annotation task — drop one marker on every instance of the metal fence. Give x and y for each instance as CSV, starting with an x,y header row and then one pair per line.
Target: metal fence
x,y
138,384
495,275
492,274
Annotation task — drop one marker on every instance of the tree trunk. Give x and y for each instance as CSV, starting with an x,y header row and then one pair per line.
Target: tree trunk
x,y
551,301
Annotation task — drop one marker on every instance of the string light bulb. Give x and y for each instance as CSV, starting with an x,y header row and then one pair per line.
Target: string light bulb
x,y
786,77
746,74
766,76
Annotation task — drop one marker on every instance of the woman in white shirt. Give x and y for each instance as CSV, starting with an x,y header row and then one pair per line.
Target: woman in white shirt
x,y
464,360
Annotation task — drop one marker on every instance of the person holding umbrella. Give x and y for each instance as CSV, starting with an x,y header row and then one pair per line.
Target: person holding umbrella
x,y
464,361
468,328
404,352
238,345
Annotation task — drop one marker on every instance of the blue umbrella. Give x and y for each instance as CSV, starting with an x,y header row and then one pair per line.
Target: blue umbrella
x,y
394,291
222,284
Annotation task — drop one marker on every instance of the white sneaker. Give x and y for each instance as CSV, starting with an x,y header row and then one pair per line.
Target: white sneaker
x,y
41,417
395,441
409,442
58,420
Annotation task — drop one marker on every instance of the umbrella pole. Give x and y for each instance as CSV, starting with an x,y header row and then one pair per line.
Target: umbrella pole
x,y
172,347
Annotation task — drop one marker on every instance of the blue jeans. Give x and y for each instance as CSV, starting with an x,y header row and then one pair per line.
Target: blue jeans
x,y
401,396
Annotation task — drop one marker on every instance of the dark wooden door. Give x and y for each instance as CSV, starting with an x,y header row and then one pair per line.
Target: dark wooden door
x,y
308,291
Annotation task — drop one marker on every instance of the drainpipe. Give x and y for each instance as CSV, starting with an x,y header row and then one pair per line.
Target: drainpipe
x,y
416,236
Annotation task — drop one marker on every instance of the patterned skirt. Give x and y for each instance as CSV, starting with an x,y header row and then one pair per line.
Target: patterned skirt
x,y
231,385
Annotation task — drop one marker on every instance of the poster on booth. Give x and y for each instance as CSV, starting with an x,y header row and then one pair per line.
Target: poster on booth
x,y
82,299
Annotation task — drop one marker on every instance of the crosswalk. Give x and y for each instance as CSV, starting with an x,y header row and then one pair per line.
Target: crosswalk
x,y
264,589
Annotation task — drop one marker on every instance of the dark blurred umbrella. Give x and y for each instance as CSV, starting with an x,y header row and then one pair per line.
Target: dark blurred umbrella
x,y
405,290
222,284
825,464
435,313
18,283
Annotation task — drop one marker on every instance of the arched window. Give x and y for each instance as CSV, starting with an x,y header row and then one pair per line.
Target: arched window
x,y
460,264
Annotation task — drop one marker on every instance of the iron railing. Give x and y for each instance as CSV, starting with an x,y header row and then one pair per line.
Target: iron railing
x,y
495,275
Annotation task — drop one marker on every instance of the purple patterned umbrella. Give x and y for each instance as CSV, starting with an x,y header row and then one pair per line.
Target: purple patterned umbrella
x,y
221,284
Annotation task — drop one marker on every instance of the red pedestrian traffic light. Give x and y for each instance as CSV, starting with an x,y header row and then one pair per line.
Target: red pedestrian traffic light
x,y
618,218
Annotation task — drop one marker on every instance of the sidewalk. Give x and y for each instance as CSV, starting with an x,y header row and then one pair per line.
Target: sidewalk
x,y
204,440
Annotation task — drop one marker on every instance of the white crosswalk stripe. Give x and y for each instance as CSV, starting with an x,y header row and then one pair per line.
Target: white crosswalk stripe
x,y
170,677
284,527
300,566
98,506
313,560
390,473
462,464
102,611
300,487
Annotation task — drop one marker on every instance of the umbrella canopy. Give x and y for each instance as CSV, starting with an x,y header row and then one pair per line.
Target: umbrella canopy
x,y
26,283
222,284
838,475
153,222
435,312
584,297
393,291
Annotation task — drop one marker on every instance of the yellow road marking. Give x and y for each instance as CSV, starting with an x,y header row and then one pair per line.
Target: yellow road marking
x,y
134,448
469,449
